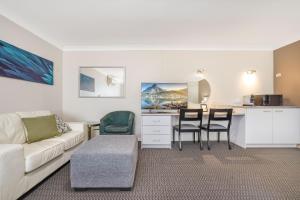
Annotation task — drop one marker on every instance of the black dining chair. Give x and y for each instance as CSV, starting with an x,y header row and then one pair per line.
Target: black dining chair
x,y
218,115
190,115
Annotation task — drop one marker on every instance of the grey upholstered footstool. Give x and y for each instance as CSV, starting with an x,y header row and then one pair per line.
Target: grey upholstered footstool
x,y
106,161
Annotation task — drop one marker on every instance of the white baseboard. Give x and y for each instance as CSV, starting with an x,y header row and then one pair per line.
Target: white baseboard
x,y
271,146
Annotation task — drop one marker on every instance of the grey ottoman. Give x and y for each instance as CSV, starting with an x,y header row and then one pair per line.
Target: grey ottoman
x,y
106,161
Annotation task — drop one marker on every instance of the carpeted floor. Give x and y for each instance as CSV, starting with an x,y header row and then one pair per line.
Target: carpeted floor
x,y
194,174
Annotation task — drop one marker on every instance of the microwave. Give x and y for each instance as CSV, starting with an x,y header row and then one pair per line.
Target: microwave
x,y
264,100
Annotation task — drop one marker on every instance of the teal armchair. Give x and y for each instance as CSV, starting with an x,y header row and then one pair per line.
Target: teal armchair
x,y
118,123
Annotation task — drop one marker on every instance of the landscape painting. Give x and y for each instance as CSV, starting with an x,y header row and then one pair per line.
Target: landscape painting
x,y
20,64
165,96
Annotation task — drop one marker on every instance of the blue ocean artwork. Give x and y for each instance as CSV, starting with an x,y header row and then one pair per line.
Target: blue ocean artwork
x,y
87,83
20,64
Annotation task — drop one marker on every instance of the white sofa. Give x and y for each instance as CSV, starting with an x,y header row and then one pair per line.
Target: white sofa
x,y
23,165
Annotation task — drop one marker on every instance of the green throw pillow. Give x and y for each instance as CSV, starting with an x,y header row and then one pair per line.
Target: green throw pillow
x,y
40,128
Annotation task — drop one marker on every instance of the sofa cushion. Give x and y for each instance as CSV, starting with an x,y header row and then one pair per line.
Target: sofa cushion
x,y
38,153
40,128
11,129
116,129
71,139
34,113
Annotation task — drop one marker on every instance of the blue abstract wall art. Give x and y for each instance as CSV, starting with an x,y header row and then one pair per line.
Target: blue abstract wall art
x,y
87,83
20,64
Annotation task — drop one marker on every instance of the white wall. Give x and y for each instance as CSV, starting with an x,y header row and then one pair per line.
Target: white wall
x,y
224,72
19,95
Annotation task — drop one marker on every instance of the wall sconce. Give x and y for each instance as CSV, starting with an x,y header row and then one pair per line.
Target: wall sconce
x,y
250,72
200,73
250,76
278,75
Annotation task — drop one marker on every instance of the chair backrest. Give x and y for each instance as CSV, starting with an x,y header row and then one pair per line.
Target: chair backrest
x,y
216,114
120,117
190,115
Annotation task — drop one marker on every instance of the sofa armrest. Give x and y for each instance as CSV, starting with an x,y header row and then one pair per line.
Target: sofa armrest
x,y
78,126
12,169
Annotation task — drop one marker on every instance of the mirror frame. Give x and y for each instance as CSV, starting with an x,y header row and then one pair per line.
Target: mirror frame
x,y
124,77
209,88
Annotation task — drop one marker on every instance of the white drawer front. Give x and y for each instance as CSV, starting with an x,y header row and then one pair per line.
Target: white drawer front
x,y
156,130
156,139
156,121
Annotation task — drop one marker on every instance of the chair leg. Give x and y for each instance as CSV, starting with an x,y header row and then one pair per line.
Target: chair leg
x,y
218,136
179,138
200,140
194,136
228,138
173,135
208,146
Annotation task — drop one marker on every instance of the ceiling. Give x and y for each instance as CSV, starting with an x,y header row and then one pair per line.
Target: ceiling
x,y
159,24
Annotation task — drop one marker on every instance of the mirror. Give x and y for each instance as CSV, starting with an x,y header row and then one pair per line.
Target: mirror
x,y
199,91
102,82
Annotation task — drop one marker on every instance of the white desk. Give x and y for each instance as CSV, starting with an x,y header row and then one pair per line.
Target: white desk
x,y
251,127
157,129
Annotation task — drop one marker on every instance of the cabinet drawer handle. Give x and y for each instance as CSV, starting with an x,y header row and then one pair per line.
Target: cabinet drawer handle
x,y
156,131
267,111
156,121
156,140
278,110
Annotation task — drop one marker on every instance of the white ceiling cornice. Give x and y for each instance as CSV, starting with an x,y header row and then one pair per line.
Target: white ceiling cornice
x,y
147,48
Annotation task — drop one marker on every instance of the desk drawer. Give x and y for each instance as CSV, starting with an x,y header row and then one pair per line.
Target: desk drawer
x,y
156,120
156,139
156,130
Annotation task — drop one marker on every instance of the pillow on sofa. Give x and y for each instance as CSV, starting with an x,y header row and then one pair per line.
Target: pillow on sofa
x,y
40,128
62,126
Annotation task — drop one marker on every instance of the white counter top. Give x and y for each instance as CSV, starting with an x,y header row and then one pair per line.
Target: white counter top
x,y
235,113
237,110
265,107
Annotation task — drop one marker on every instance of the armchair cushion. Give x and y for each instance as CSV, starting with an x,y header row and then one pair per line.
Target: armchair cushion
x,y
116,129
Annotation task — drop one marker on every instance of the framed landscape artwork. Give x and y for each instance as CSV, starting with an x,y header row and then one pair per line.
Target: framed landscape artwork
x,y
20,64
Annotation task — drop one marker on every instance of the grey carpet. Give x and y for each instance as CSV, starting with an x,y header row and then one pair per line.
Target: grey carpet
x,y
194,174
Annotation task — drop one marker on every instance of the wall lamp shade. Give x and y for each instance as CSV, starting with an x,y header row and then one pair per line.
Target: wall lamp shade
x,y
278,75
251,72
250,77
200,73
